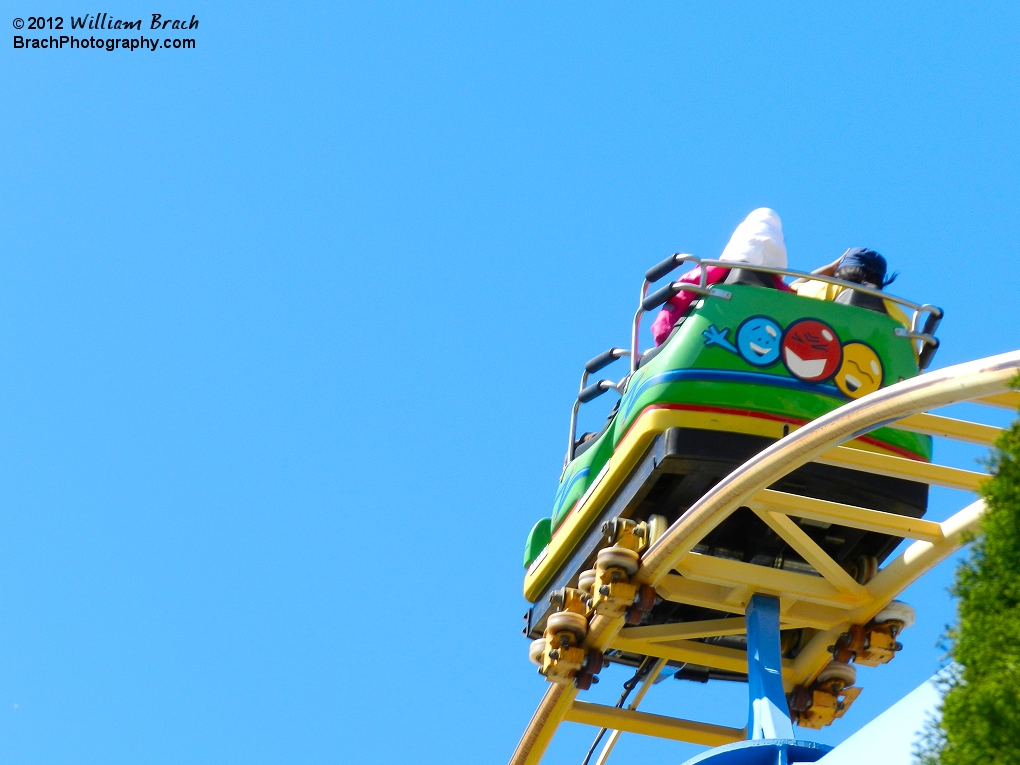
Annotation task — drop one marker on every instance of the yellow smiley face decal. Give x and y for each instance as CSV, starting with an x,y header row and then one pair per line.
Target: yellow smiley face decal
x,y
860,372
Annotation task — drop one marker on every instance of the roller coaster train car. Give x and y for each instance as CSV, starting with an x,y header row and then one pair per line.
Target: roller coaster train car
x,y
745,367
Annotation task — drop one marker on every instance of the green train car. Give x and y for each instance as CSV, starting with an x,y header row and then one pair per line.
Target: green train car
x,y
747,365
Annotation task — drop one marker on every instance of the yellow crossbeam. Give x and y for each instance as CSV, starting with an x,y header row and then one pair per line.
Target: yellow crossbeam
x,y
847,515
809,550
901,467
650,679
947,427
687,652
814,615
687,630
1007,400
895,576
659,726
678,589
769,581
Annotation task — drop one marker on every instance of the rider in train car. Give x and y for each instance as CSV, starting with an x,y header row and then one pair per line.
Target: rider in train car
x,y
860,266
758,240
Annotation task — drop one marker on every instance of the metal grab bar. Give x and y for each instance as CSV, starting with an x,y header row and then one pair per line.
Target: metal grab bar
x,y
927,342
934,313
588,392
672,289
653,274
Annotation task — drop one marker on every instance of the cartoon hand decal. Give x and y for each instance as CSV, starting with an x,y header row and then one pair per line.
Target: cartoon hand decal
x,y
715,336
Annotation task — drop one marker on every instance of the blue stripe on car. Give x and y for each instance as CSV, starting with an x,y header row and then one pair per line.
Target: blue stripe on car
x,y
565,488
723,375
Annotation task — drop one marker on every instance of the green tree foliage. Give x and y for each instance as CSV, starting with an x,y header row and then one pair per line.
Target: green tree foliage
x,y
980,715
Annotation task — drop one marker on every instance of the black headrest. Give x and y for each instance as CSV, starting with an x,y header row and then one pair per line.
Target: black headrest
x,y
861,300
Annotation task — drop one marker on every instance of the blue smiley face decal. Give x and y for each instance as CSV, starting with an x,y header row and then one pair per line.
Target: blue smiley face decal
x,y
758,340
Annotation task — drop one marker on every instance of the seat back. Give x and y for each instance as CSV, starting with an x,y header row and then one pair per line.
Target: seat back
x,y
861,300
653,352
750,278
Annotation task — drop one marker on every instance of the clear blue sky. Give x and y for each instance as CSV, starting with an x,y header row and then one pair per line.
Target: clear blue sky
x,y
290,325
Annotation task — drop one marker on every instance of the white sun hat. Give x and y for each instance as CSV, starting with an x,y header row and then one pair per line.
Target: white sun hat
x,y
758,240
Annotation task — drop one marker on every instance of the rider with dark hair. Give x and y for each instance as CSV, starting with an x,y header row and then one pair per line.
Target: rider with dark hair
x,y
860,266
863,266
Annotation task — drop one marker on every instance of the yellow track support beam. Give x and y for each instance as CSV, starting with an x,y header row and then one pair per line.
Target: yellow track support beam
x,y
907,568
679,589
921,557
645,724
687,652
946,427
1007,400
647,683
847,515
813,615
806,547
901,467
687,630
768,581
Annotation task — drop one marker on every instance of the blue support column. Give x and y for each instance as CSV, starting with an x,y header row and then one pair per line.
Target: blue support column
x,y
768,713
769,729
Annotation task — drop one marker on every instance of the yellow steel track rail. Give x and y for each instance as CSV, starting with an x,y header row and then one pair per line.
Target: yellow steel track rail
x,y
829,601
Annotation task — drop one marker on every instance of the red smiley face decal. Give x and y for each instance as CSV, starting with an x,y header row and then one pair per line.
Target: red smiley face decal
x,y
811,350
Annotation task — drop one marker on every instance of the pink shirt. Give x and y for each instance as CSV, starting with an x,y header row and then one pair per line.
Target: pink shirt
x,y
677,306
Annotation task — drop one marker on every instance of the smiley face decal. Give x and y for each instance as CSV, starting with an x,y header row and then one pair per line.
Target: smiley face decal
x,y
861,370
758,340
811,350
